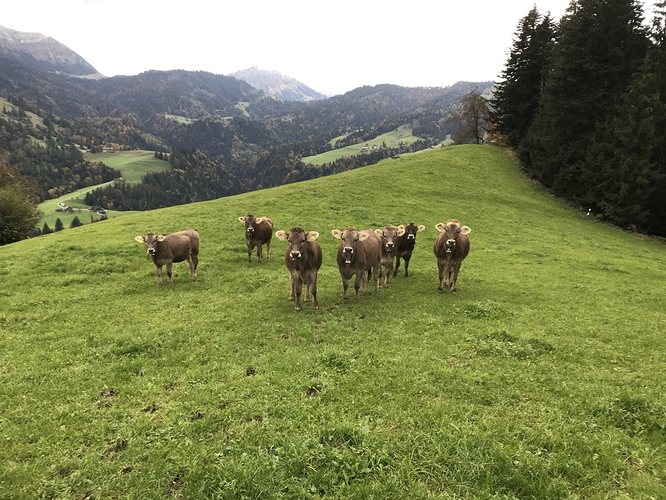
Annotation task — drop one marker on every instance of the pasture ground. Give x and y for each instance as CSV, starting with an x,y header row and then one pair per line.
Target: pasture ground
x,y
544,377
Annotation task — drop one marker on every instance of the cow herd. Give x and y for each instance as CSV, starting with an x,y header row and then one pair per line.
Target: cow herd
x,y
366,255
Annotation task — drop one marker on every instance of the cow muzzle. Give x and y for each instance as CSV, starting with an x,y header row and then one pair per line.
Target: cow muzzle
x,y
450,245
411,237
348,254
390,247
295,255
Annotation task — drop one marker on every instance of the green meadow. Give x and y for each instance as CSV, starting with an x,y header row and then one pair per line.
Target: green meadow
x,y
544,377
391,139
132,164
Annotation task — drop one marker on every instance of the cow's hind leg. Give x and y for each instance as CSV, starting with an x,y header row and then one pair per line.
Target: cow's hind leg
x,y
170,272
193,261
268,251
375,274
312,285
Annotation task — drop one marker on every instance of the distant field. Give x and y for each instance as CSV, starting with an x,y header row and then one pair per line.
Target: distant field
x,y
132,164
392,139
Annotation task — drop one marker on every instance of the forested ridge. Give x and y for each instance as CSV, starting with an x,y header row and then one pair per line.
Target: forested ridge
x,y
583,101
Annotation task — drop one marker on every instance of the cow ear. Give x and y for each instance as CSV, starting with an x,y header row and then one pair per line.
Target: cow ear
x,y
161,237
465,230
281,235
401,230
441,227
139,239
259,220
421,227
364,236
379,231
337,233
242,219
312,235
401,226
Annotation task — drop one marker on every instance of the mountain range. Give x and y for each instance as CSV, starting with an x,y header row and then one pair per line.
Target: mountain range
x,y
247,131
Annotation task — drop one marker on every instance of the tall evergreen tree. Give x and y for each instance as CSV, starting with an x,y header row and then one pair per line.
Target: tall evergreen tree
x,y
59,225
657,202
600,46
516,96
619,164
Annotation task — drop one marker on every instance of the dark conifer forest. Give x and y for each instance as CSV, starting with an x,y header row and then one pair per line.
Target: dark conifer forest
x,y
582,102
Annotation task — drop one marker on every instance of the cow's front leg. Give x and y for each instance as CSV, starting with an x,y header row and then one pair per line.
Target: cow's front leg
x,y
250,247
159,275
259,252
406,266
292,295
358,282
345,287
268,251
440,265
298,289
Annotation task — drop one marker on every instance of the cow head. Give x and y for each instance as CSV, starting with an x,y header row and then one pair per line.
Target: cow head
x,y
296,238
388,234
350,237
411,229
251,223
452,229
151,241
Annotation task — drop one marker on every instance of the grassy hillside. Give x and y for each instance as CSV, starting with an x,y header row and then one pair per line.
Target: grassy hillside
x,y
543,378
132,164
391,139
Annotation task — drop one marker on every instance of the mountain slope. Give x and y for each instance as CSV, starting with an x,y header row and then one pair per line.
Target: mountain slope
x,y
113,387
43,52
274,82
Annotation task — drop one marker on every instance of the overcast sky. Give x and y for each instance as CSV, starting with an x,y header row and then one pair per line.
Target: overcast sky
x,y
332,47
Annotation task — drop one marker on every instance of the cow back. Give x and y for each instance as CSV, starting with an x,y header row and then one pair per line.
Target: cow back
x,y
177,247
264,231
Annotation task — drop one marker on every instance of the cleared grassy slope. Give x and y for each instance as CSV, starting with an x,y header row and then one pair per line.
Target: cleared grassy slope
x,y
543,378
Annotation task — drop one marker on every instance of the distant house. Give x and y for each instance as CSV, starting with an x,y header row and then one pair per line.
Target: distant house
x,y
106,149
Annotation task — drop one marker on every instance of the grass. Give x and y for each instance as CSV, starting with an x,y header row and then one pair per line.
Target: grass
x,y
392,139
542,378
132,164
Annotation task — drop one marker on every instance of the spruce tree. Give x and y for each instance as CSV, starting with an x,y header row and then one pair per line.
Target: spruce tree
x,y
46,229
76,222
58,225
619,162
516,96
601,44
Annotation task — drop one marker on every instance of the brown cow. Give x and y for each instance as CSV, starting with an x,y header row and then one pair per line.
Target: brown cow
x,y
451,248
388,235
303,260
257,233
404,245
170,248
358,253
